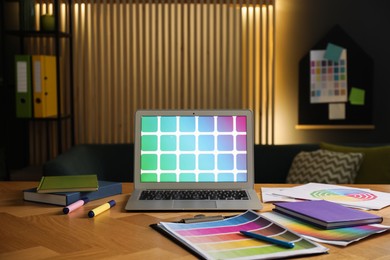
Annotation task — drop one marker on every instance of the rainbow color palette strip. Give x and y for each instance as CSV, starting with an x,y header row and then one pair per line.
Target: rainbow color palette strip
x,y
222,239
328,78
338,236
193,149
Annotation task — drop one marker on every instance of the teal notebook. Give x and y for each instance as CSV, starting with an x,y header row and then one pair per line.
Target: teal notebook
x,y
68,183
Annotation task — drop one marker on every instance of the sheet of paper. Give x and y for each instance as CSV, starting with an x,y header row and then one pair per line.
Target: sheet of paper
x,y
339,236
357,96
21,70
268,195
333,52
336,111
352,197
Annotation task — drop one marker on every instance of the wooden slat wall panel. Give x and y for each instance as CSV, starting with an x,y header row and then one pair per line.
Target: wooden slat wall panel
x,y
130,55
176,54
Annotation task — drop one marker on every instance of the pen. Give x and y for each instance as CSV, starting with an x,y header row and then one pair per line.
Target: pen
x,y
75,205
102,208
268,239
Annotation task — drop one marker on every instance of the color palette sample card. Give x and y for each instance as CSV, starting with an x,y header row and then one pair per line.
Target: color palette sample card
x,y
193,149
339,236
328,78
222,239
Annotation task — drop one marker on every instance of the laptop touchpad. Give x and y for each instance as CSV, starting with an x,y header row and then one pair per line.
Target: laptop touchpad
x,y
182,204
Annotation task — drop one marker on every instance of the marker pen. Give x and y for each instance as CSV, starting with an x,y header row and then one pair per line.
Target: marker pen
x,y
275,241
102,208
75,205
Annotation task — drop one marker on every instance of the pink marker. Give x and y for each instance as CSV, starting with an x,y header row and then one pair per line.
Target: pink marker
x,y
75,205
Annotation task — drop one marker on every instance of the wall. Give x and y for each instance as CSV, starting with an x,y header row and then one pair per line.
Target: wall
x,y
299,25
168,56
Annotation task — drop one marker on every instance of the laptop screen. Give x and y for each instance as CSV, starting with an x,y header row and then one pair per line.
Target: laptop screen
x,y
193,148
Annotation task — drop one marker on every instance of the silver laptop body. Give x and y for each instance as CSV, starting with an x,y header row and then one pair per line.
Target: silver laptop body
x,y
195,151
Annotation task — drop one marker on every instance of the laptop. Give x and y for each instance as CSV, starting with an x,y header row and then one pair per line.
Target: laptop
x,y
193,160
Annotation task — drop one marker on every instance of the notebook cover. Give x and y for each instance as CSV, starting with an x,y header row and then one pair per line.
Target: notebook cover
x,y
326,214
68,183
106,189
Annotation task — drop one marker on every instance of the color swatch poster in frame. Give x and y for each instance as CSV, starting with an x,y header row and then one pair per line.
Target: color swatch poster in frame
x,y
328,78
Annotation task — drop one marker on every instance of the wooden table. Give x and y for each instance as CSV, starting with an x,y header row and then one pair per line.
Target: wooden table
x,y
35,231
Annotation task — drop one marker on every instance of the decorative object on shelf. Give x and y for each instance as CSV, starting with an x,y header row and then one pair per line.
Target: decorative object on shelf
x,y
47,22
29,15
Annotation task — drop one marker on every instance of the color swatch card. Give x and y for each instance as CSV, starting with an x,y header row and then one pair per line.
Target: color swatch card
x,y
222,239
328,78
339,236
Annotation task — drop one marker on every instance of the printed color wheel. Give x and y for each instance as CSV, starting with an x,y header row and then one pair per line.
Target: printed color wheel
x,y
347,195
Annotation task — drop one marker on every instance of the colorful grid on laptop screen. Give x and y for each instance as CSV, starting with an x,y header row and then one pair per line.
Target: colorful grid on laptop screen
x,y
193,149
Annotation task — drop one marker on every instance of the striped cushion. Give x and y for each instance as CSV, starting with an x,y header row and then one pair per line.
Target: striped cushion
x,y
324,166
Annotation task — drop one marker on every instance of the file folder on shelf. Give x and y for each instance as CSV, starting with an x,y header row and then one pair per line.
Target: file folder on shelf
x,y
23,86
44,86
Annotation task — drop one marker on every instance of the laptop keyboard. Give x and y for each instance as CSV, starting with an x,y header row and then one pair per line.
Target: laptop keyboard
x,y
194,195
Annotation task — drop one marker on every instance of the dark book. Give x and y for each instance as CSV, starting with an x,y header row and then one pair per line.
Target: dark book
x,y
106,189
326,214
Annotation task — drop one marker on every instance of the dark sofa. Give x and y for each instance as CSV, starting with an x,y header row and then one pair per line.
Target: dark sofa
x,y
114,162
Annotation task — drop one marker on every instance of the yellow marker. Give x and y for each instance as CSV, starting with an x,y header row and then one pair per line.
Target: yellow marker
x,y
102,208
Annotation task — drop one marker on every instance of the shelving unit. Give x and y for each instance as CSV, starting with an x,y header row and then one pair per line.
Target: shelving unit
x,y
49,136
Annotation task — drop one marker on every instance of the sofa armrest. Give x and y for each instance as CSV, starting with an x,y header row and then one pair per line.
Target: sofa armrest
x,y
110,162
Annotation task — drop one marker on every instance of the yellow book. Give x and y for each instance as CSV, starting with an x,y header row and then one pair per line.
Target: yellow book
x,y
68,183
44,86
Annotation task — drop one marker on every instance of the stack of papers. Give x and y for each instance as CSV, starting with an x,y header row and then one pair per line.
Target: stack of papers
x,y
351,197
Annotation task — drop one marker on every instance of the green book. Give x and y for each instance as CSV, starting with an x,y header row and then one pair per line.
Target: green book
x,y
67,183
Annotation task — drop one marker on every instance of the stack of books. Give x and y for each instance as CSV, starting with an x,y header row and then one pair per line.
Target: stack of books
x,y
65,190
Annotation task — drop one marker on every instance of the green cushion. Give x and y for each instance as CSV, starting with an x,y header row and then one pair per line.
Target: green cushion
x,y
375,167
324,166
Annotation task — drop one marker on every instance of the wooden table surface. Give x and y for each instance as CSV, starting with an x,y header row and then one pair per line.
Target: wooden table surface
x,y
38,231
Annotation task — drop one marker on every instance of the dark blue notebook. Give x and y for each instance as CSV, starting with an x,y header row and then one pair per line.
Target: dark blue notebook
x,y
326,214
106,189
